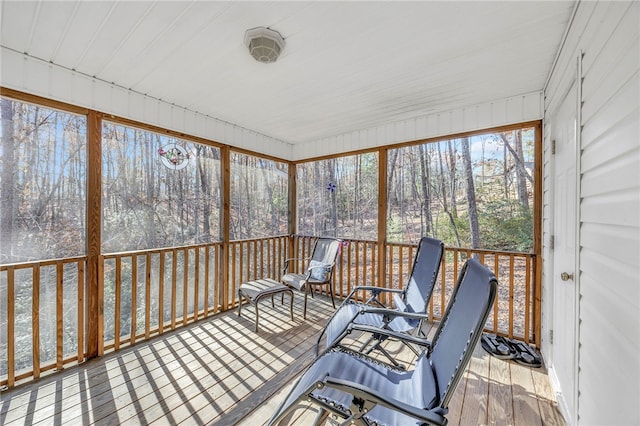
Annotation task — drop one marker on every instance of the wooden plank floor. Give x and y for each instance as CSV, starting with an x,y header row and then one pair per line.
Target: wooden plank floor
x,y
219,371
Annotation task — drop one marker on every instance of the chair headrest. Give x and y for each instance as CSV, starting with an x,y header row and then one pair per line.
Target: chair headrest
x,y
424,273
462,324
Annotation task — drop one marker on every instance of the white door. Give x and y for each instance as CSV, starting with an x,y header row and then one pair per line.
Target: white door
x,y
564,132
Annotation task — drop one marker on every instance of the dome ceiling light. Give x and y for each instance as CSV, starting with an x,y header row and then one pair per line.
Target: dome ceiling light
x,y
264,44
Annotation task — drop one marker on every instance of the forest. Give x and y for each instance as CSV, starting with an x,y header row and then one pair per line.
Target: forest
x,y
472,192
159,191
469,192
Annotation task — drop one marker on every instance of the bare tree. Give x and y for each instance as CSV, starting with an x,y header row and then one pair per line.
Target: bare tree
x,y
522,176
453,176
520,171
270,194
471,195
317,200
425,178
390,177
149,190
443,199
505,170
8,205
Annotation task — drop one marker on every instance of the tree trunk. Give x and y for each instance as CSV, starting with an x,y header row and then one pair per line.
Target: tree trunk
x,y
247,197
392,168
333,200
317,200
269,188
471,195
7,205
217,195
522,176
505,173
453,177
205,188
443,188
401,197
424,185
519,159
520,171
149,177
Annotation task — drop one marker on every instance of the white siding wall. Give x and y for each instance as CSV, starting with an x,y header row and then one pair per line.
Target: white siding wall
x,y
515,109
609,309
27,74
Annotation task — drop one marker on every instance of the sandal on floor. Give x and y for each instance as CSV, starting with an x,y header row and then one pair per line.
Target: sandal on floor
x,y
497,346
525,354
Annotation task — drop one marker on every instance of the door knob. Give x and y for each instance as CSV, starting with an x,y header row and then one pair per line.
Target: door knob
x,y
566,277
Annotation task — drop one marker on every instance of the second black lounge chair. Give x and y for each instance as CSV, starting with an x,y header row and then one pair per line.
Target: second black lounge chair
x,y
410,303
363,391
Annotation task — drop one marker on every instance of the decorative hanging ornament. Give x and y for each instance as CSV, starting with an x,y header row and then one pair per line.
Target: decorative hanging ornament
x,y
174,156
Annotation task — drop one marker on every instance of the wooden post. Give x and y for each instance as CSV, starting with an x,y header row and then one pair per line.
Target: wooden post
x,y
95,309
134,297
382,216
293,212
35,321
225,157
537,236
81,283
59,313
11,327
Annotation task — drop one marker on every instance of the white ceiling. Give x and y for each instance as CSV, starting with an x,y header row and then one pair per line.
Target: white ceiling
x,y
346,65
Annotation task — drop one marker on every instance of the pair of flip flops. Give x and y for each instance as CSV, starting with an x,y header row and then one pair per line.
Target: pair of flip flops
x,y
505,348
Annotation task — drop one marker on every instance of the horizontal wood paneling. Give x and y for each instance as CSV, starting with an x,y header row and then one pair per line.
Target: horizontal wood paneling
x,y
516,109
21,72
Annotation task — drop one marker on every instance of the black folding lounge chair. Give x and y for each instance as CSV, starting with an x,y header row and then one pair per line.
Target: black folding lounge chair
x,y
319,270
410,303
363,391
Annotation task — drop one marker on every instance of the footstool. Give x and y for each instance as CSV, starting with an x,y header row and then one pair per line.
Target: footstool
x,y
253,291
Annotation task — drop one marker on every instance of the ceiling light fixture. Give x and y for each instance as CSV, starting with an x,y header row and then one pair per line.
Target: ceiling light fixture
x,y
264,44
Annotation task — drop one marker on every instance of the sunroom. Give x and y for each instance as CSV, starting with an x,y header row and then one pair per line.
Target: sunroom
x,y
150,165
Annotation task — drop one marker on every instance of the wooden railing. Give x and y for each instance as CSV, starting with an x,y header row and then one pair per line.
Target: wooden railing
x,y
146,293
516,311
41,317
516,304
177,286
255,259
357,263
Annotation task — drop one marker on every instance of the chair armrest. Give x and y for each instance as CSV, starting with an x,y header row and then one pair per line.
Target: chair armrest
x,y
296,258
286,262
351,326
394,313
326,265
370,398
389,333
373,288
375,292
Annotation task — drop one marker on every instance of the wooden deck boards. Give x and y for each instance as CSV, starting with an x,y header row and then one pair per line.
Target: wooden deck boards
x,y
218,371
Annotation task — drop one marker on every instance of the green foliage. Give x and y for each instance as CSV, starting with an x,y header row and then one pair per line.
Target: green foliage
x,y
394,229
446,232
505,225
